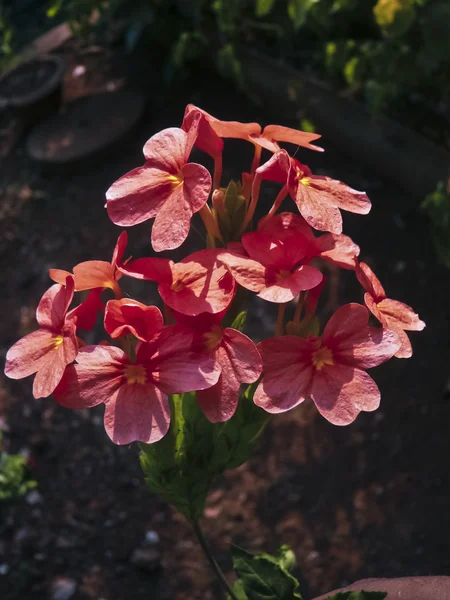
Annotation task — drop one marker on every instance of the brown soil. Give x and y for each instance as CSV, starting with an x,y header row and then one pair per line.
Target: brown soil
x,y
366,500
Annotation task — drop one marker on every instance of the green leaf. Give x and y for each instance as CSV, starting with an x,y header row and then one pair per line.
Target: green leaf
x,y
54,9
298,11
181,466
14,476
264,7
358,596
265,577
394,17
239,321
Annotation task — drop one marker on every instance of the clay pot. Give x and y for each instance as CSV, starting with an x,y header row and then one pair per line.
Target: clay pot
x,y
33,89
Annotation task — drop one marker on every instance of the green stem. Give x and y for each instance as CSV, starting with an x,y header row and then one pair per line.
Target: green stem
x,y
212,561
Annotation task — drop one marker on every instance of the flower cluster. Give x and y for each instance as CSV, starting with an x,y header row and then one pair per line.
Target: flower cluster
x,y
195,347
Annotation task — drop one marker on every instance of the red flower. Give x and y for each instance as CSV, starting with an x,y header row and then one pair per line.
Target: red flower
x,y
276,133
126,316
85,314
336,248
270,265
330,369
92,274
135,393
235,355
166,187
392,314
211,130
318,198
48,350
199,283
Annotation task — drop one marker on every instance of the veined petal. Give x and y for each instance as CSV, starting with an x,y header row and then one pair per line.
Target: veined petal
x,y
340,393
119,249
96,378
405,350
174,366
197,185
200,283
283,252
292,136
287,373
207,139
276,168
138,195
127,316
168,150
86,312
30,353
315,207
354,343
370,282
401,315
94,274
173,221
51,372
349,320
240,362
249,273
290,284
368,348
53,306
150,269
341,194
137,413
338,249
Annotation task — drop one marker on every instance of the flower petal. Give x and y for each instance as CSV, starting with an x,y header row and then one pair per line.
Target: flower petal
x,y
94,274
168,150
288,286
315,207
249,273
150,269
126,316
174,366
354,343
86,312
52,309
137,413
96,378
401,315
341,393
173,221
201,283
338,249
370,281
50,373
283,252
405,350
292,136
119,249
287,373
30,353
138,195
276,168
239,362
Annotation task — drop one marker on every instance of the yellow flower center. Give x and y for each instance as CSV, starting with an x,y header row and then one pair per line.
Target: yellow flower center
x,y
135,374
58,340
177,179
213,338
321,357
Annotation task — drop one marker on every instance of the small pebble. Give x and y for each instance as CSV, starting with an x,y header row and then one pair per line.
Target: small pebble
x,y
63,588
151,537
148,559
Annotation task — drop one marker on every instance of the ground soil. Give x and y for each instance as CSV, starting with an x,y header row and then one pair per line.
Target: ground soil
x,y
370,499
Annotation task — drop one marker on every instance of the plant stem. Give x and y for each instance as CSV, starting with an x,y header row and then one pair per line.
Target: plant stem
x,y
280,320
212,561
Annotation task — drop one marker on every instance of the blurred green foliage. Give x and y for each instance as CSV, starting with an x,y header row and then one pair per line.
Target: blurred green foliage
x,y
392,54
14,476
